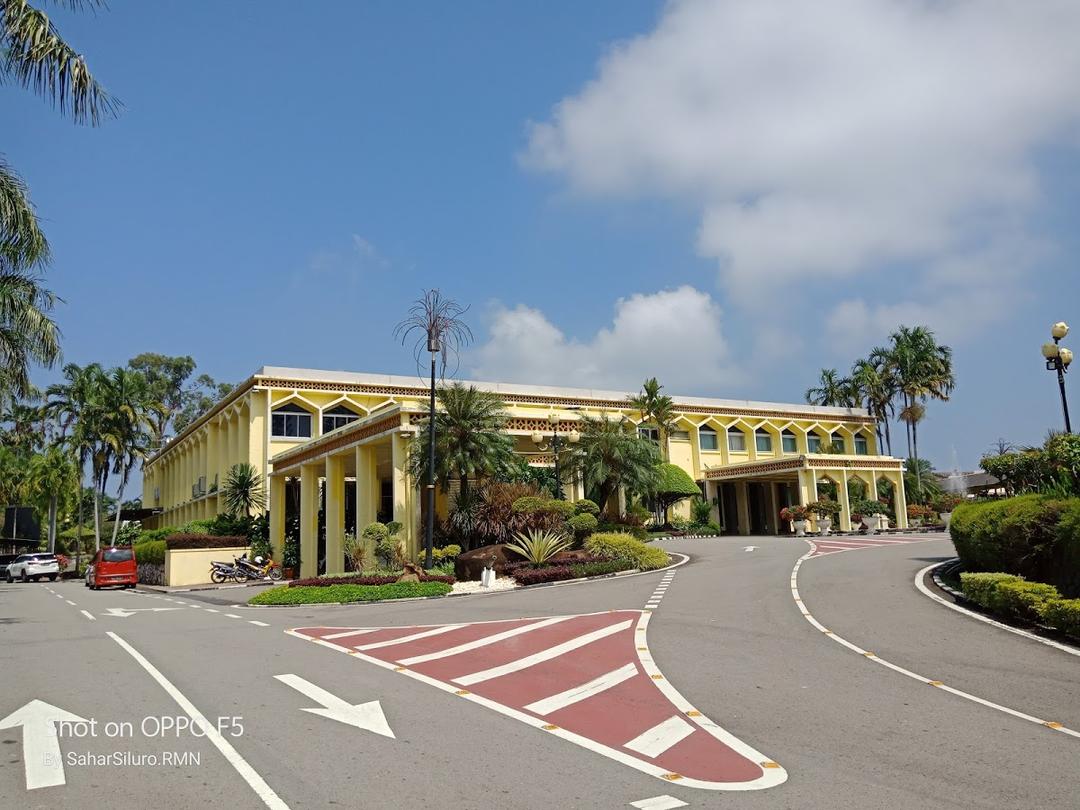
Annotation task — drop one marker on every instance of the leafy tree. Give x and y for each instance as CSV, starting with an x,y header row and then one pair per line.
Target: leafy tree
x,y
469,438
243,491
165,377
920,483
611,456
50,479
197,398
657,410
673,484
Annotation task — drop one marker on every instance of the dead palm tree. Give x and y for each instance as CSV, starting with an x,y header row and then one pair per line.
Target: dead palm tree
x,y
436,325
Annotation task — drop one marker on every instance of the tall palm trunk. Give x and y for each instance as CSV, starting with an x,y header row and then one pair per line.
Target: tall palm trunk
x,y
888,435
79,523
915,455
52,523
119,508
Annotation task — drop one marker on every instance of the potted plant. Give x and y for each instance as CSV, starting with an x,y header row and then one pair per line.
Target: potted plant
x,y
944,505
918,514
290,558
797,515
869,513
826,512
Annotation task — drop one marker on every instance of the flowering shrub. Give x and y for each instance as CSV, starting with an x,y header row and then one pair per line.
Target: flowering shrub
x,y
795,512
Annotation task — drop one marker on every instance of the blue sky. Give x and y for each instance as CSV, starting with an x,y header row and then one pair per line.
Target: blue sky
x,y
618,189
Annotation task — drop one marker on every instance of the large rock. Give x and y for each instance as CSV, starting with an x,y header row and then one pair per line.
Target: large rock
x,y
469,564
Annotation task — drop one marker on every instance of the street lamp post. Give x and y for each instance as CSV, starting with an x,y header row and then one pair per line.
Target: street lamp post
x,y
538,438
1058,359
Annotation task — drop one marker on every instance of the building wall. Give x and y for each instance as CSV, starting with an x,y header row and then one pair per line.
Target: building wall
x,y
239,430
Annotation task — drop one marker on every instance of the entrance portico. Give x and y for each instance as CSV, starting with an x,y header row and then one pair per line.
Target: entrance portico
x,y
369,455
748,497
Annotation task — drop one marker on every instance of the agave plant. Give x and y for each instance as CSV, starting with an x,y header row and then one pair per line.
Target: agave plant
x,y
539,546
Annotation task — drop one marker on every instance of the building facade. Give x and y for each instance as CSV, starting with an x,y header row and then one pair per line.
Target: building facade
x,y
348,433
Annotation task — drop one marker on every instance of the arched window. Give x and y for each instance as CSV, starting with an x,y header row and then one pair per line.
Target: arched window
x,y
813,442
837,442
763,440
862,446
787,439
290,422
336,417
707,439
736,440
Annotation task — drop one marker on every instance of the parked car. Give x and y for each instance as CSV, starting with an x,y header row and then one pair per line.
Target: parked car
x,y
33,567
5,561
112,566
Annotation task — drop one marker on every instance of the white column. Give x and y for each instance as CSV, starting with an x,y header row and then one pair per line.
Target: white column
x,y
335,514
309,519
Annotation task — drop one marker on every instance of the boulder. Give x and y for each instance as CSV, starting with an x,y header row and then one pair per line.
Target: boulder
x,y
469,564
411,573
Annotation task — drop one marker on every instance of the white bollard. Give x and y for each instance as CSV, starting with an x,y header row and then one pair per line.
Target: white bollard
x,y
487,578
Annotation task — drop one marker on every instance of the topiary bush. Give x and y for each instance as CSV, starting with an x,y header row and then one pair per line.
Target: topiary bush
x,y
586,507
582,525
1063,615
375,531
980,587
620,546
1022,600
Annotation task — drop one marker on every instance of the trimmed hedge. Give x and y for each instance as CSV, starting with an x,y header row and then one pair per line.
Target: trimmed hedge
x,y
363,579
1033,536
187,541
620,546
285,595
546,573
150,552
1013,597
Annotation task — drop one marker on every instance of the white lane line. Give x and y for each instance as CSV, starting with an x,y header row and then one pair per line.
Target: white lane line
x,y
249,774
258,623
543,655
70,603
661,737
345,633
586,690
212,610
659,803
919,577
482,642
88,615
1055,726
57,595
232,616
437,631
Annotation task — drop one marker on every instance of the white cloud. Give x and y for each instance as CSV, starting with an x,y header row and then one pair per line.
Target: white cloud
x,y
831,141
352,264
674,335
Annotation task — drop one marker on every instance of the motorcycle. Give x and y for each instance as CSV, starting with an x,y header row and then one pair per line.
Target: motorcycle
x,y
258,568
223,572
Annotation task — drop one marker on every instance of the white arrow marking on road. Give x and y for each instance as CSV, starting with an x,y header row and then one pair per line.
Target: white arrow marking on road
x,y
125,612
41,745
749,548
362,715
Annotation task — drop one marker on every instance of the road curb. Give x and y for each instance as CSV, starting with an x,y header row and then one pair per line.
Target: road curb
x,y
617,575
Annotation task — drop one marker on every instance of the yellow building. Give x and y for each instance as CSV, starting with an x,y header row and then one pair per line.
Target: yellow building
x,y
349,432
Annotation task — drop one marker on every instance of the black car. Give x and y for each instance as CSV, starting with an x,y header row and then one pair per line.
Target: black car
x,y
5,560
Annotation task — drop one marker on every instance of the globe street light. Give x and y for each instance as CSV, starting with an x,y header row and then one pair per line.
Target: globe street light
x,y
1058,359
538,438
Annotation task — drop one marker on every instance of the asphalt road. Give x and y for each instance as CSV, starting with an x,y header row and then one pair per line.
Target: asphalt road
x,y
727,634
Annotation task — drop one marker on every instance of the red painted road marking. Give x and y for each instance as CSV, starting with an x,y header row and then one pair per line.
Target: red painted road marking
x,y
589,679
830,545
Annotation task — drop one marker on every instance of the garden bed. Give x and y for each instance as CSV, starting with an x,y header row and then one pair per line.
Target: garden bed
x,y
348,594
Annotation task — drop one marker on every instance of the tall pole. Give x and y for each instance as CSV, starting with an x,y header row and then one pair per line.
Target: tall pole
x,y
429,520
1064,401
555,446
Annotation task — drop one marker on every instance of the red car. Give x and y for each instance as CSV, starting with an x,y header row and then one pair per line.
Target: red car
x,y
112,566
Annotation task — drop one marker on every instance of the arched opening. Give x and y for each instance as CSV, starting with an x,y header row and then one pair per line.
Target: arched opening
x,y
290,421
336,417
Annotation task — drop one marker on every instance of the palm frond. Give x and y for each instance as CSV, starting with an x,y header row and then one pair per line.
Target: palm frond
x,y
22,244
37,57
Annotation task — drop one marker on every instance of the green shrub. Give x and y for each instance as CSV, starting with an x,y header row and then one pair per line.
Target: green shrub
x,y
980,587
157,534
608,526
865,506
532,504
1022,600
539,547
586,507
388,551
700,512
1062,614
825,508
198,527
583,524
394,527
679,523
375,531
150,552
625,547
710,529
310,595
445,553
187,541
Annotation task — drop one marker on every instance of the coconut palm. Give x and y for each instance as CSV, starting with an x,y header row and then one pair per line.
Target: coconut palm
x,y
656,409
610,456
875,390
127,427
50,479
435,324
243,491
27,334
469,439
831,390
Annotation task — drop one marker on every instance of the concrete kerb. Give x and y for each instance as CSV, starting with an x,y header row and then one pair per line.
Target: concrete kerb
x,y
937,570
633,572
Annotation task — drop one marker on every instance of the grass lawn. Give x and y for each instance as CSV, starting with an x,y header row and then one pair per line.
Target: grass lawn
x,y
316,594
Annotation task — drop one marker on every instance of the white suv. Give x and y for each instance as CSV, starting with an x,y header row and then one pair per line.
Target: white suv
x,y
34,566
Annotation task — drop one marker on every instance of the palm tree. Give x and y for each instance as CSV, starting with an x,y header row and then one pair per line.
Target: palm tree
x,y
35,56
128,425
610,456
656,409
27,334
831,390
923,370
50,475
73,404
875,390
437,326
12,480
469,439
920,483
243,491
